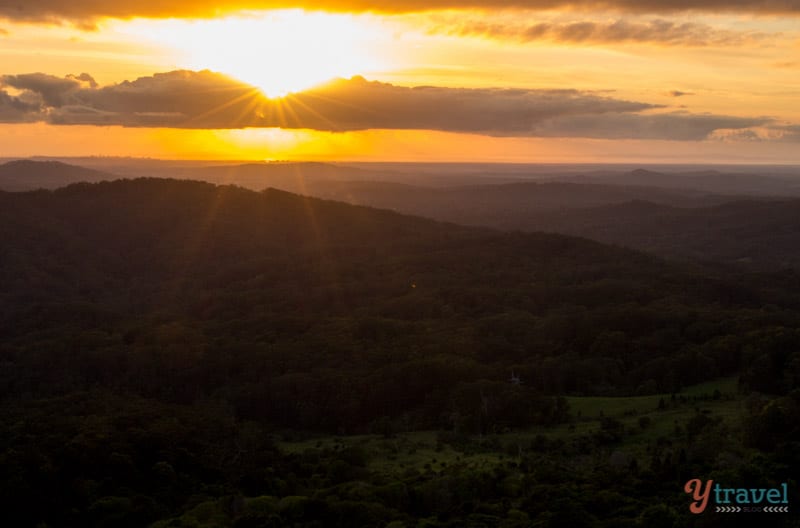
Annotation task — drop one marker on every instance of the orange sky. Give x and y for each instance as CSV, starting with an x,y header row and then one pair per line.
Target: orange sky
x,y
536,81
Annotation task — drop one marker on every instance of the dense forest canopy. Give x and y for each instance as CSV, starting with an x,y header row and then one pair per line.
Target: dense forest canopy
x,y
218,267
131,305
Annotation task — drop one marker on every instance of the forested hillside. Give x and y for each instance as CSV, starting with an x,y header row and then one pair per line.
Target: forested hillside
x,y
751,234
155,330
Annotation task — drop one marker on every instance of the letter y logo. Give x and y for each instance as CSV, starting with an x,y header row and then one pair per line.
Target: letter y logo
x,y
699,495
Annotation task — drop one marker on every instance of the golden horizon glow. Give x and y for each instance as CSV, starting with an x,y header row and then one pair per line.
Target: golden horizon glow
x,y
22,140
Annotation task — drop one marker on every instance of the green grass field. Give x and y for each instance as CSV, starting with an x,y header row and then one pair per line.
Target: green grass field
x,y
422,451
591,407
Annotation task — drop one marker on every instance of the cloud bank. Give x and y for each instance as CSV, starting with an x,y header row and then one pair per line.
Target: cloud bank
x,y
659,32
82,10
187,99
180,99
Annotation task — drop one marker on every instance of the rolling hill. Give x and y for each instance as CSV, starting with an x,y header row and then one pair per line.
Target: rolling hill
x,y
755,234
26,175
220,257
759,233
164,341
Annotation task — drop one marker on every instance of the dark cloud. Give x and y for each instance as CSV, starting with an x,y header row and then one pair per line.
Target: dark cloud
x,y
17,110
671,126
81,10
789,133
357,104
84,77
678,93
744,135
185,99
182,99
660,32
53,90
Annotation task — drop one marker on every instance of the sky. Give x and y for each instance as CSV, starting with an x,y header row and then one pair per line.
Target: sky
x,y
660,81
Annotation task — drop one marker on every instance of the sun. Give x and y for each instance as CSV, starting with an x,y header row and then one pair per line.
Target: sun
x,y
279,51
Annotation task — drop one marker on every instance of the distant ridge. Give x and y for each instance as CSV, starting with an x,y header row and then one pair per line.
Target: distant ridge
x,y
761,233
28,175
707,180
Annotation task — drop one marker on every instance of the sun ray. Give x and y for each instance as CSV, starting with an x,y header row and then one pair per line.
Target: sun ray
x,y
341,103
253,96
288,101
